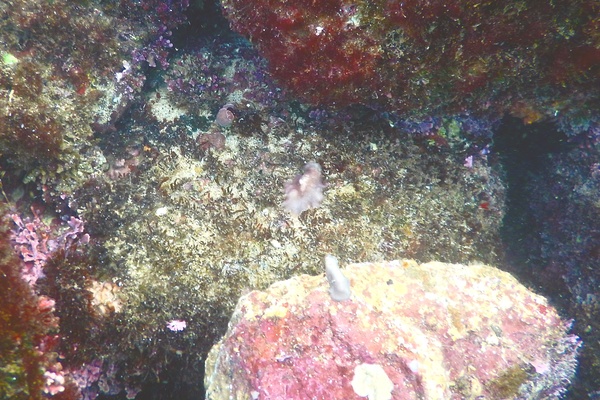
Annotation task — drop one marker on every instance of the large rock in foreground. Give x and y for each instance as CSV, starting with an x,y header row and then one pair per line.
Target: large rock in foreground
x,y
409,331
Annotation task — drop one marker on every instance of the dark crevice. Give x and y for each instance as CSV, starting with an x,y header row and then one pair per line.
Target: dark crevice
x,y
524,151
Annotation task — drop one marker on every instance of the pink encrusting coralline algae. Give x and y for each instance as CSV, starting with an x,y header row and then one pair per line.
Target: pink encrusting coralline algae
x,y
408,331
34,242
31,243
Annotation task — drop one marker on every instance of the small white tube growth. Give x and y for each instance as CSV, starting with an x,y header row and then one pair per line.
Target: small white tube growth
x,y
339,285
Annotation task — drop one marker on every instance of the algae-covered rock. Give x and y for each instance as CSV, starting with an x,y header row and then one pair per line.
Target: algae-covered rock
x,y
435,330
422,55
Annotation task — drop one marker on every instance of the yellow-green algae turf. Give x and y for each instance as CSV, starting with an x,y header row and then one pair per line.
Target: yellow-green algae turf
x,y
55,83
192,230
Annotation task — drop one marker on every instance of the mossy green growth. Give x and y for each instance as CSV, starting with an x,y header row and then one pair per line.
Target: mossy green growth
x,y
8,58
506,386
194,229
53,83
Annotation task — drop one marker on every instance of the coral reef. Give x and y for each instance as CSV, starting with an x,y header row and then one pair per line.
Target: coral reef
x,y
431,331
428,57
167,135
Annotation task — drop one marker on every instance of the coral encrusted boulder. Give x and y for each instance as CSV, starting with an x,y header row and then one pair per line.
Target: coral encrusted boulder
x,y
408,331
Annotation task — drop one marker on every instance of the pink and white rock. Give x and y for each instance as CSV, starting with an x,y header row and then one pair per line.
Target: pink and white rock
x,y
408,331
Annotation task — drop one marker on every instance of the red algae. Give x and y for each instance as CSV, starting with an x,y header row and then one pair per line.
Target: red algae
x,y
28,340
420,56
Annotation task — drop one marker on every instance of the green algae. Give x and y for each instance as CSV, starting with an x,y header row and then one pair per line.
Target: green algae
x,y
506,386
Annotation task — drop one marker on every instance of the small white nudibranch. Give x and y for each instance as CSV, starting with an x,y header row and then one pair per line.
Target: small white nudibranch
x,y
339,285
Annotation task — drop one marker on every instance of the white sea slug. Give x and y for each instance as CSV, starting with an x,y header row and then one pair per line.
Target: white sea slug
x,y
339,285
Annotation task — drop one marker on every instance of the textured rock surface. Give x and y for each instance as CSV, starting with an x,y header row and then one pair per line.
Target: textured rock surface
x,y
438,331
417,56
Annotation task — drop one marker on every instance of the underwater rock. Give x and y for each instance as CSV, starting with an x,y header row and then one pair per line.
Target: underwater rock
x,y
200,220
435,330
419,56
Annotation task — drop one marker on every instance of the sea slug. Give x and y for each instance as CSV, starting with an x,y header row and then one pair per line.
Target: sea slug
x,y
339,285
